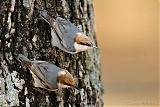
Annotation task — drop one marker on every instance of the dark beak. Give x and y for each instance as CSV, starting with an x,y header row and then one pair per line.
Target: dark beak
x,y
77,88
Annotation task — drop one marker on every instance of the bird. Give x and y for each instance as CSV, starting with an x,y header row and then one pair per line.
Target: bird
x,y
46,75
67,36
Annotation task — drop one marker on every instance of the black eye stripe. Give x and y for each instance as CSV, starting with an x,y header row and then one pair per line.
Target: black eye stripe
x,y
83,43
87,44
68,84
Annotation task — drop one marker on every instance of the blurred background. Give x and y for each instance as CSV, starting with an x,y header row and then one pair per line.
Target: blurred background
x,y
128,35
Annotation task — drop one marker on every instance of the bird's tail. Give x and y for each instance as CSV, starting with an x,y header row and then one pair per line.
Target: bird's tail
x,y
47,18
24,60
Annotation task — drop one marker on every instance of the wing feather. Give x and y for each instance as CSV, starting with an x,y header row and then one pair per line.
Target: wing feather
x,y
45,72
67,32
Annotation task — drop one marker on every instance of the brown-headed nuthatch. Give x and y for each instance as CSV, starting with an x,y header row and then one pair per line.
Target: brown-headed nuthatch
x,y
47,75
67,36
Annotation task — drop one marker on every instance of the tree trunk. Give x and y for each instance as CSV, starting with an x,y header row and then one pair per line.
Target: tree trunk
x,y
23,31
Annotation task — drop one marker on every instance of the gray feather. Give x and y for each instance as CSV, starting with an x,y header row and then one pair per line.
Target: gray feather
x,y
67,32
22,57
63,32
56,41
46,72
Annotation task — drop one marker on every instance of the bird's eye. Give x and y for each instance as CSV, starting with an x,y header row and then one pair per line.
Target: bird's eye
x,y
86,44
82,43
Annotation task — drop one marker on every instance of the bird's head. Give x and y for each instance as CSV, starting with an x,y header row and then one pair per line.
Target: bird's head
x,y
65,79
82,42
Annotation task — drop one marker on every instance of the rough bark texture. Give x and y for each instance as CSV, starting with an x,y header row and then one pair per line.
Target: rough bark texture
x,y
23,31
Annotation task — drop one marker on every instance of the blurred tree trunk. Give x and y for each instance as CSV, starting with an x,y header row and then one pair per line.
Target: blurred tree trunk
x,y
23,31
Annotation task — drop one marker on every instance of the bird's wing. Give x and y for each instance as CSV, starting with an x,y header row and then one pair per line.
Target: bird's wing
x,y
45,72
66,32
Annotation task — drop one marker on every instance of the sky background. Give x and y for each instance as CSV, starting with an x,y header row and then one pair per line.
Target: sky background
x,y
128,35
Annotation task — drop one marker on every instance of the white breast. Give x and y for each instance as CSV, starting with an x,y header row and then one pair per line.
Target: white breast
x,y
80,47
62,86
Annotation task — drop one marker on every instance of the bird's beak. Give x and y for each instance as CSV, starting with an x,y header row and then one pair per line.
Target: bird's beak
x,y
77,88
95,47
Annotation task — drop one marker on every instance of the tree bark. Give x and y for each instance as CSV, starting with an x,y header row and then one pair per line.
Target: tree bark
x,y
23,31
